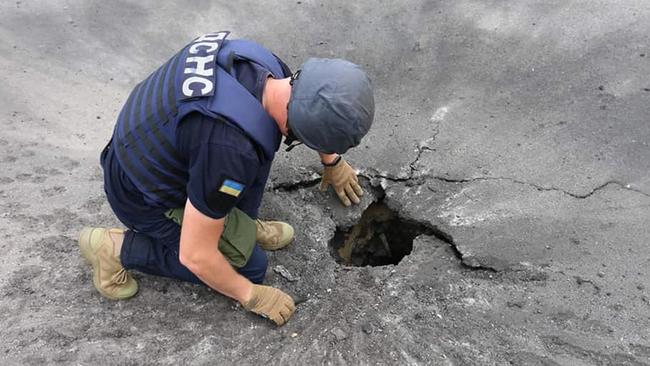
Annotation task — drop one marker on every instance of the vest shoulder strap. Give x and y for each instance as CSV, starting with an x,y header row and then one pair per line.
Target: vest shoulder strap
x,y
251,51
233,101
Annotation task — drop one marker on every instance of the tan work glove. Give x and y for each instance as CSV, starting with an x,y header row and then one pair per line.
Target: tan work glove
x,y
271,303
344,180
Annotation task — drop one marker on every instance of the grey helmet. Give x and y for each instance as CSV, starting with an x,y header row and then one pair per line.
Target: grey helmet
x,y
331,106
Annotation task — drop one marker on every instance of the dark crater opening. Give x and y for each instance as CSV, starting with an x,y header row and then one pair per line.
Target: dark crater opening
x,y
380,237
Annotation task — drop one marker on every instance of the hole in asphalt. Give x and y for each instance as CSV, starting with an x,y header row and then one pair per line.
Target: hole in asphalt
x,y
380,237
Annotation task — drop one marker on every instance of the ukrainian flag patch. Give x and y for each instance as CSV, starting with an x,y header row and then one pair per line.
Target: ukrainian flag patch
x,y
231,187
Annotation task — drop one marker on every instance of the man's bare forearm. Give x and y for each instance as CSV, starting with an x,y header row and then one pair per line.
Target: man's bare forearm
x,y
216,272
199,253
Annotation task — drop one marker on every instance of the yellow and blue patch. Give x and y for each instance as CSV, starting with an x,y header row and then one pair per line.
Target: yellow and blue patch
x,y
231,187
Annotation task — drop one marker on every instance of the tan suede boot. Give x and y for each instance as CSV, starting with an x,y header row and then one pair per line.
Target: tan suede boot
x,y
273,235
109,277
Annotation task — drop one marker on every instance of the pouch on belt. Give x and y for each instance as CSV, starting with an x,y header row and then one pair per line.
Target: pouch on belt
x,y
238,238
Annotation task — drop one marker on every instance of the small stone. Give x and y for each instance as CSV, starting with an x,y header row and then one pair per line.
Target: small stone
x,y
284,272
366,328
516,303
294,335
640,287
600,274
339,334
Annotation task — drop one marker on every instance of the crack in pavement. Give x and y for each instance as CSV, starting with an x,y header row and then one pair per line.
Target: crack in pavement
x,y
421,148
447,238
542,188
424,146
393,178
374,174
293,186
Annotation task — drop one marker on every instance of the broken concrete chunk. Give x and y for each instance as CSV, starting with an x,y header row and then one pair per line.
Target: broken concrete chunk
x,y
284,272
339,334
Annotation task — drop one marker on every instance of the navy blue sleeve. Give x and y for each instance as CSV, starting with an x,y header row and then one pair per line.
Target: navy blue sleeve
x,y
285,69
223,164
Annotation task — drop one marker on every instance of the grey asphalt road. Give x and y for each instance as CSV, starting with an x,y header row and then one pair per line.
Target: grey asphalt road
x,y
515,131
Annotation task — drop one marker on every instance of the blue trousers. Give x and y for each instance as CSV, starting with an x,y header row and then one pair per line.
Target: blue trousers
x,y
151,244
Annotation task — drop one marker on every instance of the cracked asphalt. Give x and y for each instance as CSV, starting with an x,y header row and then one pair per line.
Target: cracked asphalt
x,y
517,131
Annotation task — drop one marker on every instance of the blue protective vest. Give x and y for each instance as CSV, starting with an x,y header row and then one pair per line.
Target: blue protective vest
x,y
196,79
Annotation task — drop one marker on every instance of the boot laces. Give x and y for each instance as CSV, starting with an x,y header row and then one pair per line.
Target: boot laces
x,y
263,225
269,232
120,277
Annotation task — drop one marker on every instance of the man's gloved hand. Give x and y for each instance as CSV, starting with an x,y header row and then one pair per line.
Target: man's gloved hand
x,y
344,180
270,303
